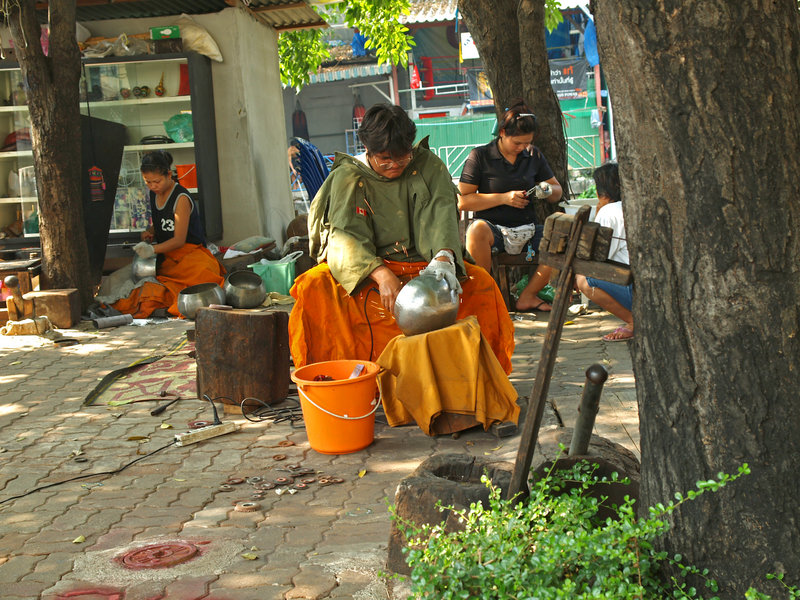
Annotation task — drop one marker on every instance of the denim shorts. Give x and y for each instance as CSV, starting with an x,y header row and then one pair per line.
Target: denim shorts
x,y
621,293
499,245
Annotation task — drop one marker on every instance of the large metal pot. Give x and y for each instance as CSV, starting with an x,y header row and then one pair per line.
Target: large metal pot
x,y
244,289
198,296
425,304
143,267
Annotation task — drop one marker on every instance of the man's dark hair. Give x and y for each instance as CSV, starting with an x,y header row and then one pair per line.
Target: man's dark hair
x,y
387,128
159,161
606,180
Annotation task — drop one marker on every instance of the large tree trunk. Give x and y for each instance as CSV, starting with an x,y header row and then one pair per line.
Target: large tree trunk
x,y
708,135
52,86
509,35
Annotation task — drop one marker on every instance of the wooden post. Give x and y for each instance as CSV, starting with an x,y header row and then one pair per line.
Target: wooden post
x,y
541,385
596,376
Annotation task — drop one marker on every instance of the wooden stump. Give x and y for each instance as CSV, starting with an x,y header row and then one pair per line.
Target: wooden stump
x,y
62,307
242,354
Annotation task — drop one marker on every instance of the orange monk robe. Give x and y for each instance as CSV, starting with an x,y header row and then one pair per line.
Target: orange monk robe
x,y
188,265
326,323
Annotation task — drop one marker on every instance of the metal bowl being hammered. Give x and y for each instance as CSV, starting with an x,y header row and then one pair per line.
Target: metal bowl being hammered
x,y
143,267
425,304
245,289
198,296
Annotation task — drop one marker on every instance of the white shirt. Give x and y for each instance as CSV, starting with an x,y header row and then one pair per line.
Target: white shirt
x,y
611,216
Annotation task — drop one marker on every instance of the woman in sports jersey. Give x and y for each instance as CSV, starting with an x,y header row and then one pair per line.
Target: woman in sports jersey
x,y
176,237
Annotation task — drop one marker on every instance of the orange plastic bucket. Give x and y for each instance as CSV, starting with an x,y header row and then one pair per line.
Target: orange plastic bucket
x,y
339,414
187,175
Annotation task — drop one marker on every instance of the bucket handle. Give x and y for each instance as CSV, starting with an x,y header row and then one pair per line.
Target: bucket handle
x,y
370,413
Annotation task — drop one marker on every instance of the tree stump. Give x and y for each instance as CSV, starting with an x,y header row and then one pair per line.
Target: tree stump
x,y
455,479
242,354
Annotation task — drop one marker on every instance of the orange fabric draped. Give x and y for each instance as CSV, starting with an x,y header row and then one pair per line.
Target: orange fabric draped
x,y
188,265
326,323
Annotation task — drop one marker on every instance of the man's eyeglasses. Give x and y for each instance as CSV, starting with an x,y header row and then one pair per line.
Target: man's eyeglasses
x,y
394,163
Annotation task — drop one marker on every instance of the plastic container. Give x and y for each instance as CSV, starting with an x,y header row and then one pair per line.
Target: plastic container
x,y
339,415
187,175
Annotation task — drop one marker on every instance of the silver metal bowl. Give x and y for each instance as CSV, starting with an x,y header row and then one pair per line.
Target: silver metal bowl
x,y
244,289
425,304
198,296
143,267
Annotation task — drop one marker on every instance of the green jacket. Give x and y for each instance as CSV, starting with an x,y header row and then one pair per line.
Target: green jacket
x,y
358,218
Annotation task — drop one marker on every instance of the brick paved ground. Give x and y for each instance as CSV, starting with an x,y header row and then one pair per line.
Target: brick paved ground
x,y
323,542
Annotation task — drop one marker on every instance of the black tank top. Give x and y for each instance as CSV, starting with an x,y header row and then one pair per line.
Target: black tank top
x,y
164,218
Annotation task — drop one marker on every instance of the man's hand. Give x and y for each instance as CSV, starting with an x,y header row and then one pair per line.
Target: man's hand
x,y
144,250
442,267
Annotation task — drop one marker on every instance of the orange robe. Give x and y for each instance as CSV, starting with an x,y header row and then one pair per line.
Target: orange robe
x,y
185,266
326,323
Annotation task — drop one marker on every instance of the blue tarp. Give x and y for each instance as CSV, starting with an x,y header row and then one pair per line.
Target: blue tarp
x,y
590,44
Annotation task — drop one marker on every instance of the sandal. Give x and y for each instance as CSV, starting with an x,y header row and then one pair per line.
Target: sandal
x,y
620,334
536,307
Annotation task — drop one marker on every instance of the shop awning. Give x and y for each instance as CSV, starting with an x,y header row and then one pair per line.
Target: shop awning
x,y
344,72
430,11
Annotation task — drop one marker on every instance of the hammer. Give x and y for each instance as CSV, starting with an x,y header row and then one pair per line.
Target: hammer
x,y
15,305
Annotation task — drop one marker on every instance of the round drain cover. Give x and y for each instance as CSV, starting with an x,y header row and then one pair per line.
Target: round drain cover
x,y
159,556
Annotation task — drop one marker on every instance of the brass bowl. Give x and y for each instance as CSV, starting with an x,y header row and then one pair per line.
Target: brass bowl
x,y
425,304
143,267
244,289
198,296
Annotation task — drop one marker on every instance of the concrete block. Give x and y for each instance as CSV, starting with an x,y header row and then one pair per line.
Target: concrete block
x,y
62,307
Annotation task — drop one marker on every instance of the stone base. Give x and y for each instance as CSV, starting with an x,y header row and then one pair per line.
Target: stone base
x,y
453,479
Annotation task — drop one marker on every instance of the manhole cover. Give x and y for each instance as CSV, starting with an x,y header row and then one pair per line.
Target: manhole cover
x,y
159,556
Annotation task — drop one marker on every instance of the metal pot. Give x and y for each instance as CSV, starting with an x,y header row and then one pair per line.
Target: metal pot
x,y
244,289
143,267
198,296
425,304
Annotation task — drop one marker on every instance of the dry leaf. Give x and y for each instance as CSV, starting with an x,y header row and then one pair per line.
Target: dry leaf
x,y
166,426
16,362
249,556
137,438
254,548
79,540
362,472
176,479
569,322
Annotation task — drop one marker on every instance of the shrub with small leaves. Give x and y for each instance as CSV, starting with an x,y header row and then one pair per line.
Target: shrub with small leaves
x,y
553,545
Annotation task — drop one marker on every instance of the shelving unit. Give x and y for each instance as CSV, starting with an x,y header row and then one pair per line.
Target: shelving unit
x,y
109,89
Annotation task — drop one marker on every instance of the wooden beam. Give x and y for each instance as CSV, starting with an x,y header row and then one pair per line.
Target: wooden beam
x,y
610,271
277,7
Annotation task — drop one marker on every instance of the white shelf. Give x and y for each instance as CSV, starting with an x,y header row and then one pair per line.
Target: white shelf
x,y
16,153
130,101
19,200
146,147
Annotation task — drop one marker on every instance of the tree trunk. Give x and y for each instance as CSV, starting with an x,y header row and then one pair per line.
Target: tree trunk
x,y
509,35
708,136
52,88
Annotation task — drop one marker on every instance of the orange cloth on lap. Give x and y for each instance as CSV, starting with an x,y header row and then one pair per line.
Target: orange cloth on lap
x,y
449,370
188,265
326,323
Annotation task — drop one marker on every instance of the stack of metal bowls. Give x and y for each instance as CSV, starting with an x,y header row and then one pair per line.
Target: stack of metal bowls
x,y
244,289
425,304
199,296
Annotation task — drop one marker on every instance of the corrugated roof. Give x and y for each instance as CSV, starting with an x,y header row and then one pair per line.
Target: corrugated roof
x,y
342,72
430,11
280,14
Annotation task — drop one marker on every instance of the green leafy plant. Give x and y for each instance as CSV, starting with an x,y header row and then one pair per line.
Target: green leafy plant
x,y
552,546
589,192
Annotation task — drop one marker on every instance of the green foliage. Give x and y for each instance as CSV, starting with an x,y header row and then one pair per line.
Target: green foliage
x,y
589,192
302,52
552,14
554,546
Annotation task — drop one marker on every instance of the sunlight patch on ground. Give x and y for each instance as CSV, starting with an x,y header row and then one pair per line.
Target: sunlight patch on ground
x,y
10,409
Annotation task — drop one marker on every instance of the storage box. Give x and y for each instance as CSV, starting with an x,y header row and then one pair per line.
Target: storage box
x,y
165,32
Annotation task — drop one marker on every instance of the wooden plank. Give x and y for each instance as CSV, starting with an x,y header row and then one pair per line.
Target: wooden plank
x,y
610,271
541,385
